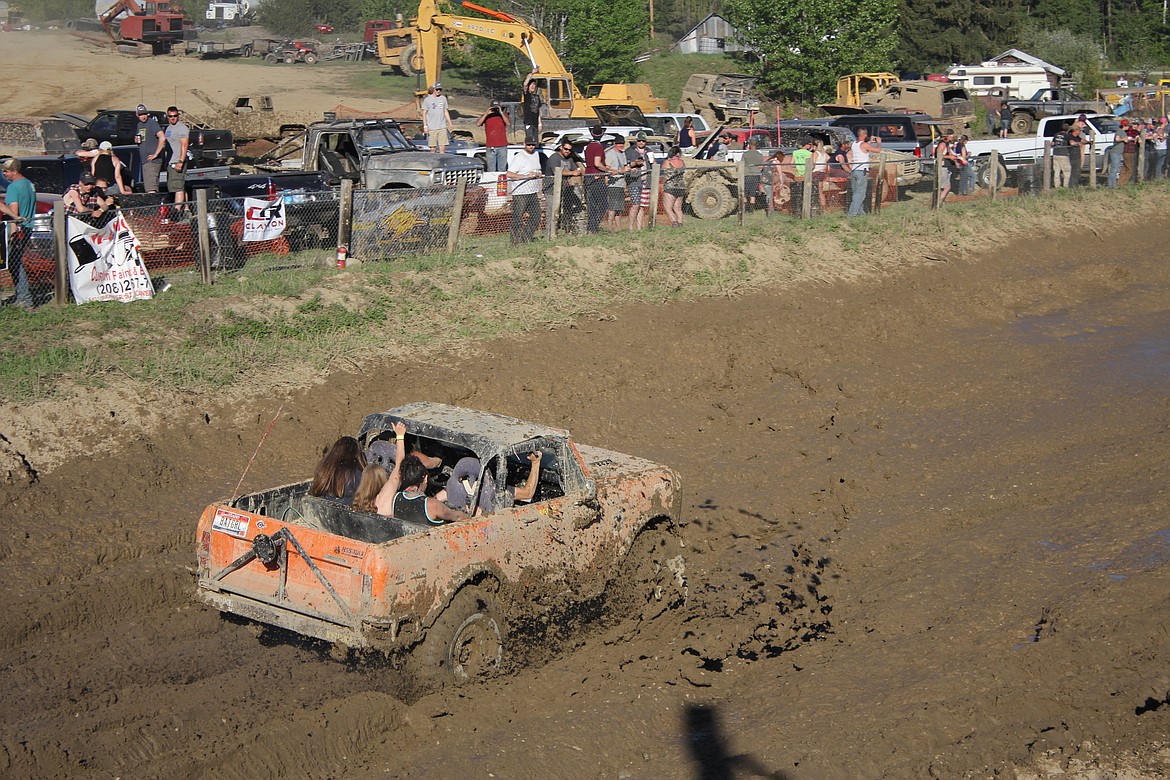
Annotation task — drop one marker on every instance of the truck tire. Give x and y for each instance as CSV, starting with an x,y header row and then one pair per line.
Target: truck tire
x,y
310,59
289,59
652,579
270,58
406,62
1022,123
465,644
983,173
710,199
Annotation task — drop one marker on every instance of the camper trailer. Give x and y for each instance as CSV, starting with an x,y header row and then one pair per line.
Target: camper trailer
x,y
1019,81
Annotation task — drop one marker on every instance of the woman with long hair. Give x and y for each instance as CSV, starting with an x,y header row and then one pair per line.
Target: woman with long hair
x,y
339,472
374,477
674,187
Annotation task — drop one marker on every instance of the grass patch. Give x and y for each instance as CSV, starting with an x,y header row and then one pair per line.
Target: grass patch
x,y
271,320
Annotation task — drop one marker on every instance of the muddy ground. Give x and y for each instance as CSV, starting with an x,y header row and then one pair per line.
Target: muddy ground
x,y
960,471
925,516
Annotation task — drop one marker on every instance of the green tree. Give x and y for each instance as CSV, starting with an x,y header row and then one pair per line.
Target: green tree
x,y
602,38
1080,55
805,45
938,33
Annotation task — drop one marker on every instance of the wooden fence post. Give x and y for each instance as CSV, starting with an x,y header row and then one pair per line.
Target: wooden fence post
x,y
806,200
61,253
1093,162
345,217
204,235
456,218
554,202
655,178
1046,181
740,176
993,174
1141,159
937,182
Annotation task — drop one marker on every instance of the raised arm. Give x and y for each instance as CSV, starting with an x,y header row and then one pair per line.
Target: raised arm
x,y
384,501
526,491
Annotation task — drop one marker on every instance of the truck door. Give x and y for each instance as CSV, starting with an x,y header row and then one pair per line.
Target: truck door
x,y
558,94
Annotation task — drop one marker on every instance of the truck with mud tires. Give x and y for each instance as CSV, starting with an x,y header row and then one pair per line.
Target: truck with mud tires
x,y
600,528
373,153
1051,101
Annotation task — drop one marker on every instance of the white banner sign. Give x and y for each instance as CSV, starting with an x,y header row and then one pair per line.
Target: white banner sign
x,y
105,264
263,219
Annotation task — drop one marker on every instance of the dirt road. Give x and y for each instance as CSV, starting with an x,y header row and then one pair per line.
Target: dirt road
x,y
926,527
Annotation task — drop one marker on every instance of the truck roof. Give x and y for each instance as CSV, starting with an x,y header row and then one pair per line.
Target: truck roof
x,y
484,433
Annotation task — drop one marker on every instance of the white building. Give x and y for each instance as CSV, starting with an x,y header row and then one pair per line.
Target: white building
x,y
713,35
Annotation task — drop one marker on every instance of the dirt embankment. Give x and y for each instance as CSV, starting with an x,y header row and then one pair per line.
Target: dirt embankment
x,y
926,536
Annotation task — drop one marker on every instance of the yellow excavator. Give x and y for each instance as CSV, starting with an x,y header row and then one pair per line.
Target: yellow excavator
x,y
556,84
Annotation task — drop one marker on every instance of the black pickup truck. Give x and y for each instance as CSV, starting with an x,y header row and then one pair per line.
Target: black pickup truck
x,y
205,147
1053,101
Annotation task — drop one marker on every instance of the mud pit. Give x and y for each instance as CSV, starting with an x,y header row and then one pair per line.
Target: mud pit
x,y
926,529
925,517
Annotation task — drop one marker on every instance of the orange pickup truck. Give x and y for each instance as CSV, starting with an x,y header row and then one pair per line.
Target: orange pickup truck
x,y
442,597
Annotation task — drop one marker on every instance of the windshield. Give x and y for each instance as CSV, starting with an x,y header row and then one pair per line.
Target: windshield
x,y
385,137
1105,124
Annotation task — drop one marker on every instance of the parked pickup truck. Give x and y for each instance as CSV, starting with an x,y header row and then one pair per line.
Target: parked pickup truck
x,y
1050,102
206,146
1015,152
441,597
373,153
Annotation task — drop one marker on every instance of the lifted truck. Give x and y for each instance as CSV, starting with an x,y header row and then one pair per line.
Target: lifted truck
x,y
442,597
1050,102
371,152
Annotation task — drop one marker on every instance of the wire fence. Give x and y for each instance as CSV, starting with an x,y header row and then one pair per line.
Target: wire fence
x,y
200,241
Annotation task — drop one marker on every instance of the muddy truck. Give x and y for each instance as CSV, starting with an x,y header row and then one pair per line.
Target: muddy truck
x,y
729,98
600,528
373,153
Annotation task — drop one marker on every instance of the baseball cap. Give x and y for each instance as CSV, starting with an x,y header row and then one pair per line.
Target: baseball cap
x,y
140,109
11,164
495,104
106,145
641,137
87,178
89,143
1083,117
437,85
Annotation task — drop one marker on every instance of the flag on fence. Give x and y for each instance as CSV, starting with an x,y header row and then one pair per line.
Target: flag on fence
x,y
105,264
263,219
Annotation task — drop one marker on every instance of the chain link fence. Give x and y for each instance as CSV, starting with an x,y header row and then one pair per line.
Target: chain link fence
x,y
314,229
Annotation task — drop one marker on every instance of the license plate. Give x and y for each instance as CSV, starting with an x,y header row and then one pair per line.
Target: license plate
x,y
231,523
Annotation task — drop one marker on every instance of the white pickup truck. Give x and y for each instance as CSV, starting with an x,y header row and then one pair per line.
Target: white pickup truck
x,y
1026,150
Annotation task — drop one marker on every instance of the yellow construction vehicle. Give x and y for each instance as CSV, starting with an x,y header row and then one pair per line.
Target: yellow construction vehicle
x,y
850,89
561,95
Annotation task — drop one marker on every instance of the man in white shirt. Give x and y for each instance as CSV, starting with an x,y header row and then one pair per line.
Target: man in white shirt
x,y
524,173
436,119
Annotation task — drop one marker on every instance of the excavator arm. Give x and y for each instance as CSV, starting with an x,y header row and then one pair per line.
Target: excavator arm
x,y
500,27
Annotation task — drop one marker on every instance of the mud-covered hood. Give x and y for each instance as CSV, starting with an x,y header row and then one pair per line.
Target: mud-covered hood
x,y
605,465
421,161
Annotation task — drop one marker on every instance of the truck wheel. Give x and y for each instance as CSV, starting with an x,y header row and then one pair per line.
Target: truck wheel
x,y
270,58
983,174
465,644
1021,123
653,576
711,200
310,59
406,62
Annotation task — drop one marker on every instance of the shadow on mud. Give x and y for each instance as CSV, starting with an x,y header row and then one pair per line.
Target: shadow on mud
x,y
708,748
